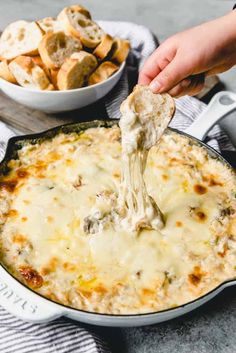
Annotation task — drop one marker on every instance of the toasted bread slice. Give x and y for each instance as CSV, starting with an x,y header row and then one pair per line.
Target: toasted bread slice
x,y
28,74
120,50
20,38
50,24
102,50
5,72
105,70
75,9
53,77
80,26
38,61
54,48
154,112
75,70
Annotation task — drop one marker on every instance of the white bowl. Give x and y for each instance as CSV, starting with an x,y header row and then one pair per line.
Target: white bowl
x,y
60,101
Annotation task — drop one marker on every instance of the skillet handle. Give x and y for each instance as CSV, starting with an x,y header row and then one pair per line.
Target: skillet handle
x,y
20,301
220,105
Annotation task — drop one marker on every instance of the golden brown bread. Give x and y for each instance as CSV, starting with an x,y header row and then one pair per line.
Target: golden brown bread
x,y
79,25
120,50
38,61
5,72
75,9
103,72
20,38
102,50
53,77
50,24
54,48
75,70
29,74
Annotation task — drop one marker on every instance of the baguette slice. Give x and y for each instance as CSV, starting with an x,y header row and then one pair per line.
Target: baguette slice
x,y
75,9
80,26
102,50
75,70
28,74
120,50
5,72
53,77
154,112
50,24
20,38
38,61
105,70
54,48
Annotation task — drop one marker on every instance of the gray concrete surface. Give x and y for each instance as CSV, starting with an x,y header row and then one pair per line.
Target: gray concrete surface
x,y
210,329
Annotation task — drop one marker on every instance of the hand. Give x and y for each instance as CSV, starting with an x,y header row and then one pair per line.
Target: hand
x,y
180,65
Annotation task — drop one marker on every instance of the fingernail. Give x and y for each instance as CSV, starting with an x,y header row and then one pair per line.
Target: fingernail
x,y
186,82
155,86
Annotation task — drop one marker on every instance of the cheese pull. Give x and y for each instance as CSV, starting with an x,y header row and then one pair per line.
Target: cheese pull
x,y
145,116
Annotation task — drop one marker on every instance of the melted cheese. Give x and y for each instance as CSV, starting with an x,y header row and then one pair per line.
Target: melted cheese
x,y
59,181
139,132
137,207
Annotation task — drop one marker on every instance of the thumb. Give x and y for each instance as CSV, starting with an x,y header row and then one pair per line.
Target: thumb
x,y
176,71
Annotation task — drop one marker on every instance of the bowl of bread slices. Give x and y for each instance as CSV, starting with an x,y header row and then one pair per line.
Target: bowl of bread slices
x,y
60,64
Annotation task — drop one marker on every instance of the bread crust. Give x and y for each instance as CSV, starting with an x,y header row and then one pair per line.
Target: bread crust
x,y
102,50
29,74
53,77
54,48
20,38
80,26
38,61
103,72
50,24
5,72
120,50
75,70
75,9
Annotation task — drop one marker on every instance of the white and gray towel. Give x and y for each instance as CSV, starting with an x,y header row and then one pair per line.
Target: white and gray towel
x,y
62,335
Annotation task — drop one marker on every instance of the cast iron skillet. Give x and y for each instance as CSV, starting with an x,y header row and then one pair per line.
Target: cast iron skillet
x,y
28,305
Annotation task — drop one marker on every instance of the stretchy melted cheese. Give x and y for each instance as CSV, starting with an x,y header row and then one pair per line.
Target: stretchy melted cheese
x,y
144,118
53,185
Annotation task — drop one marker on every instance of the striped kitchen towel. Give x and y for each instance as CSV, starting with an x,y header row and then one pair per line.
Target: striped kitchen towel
x,y
62,335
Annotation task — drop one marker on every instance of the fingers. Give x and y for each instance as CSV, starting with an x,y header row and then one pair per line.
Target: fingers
x,y
175,72
191,86
156,62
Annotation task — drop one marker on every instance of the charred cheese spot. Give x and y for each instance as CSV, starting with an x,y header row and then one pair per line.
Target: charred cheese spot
x,y
178,224
116,175
165,177
200,189
225,249
198,214
19,238
212,180
148,292
31,276
196,277
12,213
21,173
69,267
8,185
